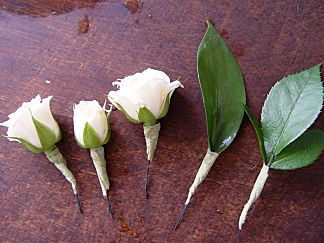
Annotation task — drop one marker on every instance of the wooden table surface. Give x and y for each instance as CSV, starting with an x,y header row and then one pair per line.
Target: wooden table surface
x,y
81,46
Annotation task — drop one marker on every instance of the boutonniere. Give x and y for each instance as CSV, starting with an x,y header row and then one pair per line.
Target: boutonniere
x,y
222,87
92,131
145,98
33,125
290,108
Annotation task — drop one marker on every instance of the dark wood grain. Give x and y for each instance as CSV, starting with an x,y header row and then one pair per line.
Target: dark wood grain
x,y
81,47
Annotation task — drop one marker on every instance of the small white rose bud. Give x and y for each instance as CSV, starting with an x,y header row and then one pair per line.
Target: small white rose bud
x,y
33,125
91,127
92,131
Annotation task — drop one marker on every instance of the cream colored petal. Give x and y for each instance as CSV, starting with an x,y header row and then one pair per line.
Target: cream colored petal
x,y
20,125
42,112
169,90
79,122
129,104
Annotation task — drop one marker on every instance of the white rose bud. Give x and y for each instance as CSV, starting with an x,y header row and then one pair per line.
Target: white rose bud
x,y
145,97
33,125
92,131
91,127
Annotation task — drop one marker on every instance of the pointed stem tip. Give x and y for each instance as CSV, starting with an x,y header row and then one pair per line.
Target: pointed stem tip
x,y
78,203
183,211
146,180
109,206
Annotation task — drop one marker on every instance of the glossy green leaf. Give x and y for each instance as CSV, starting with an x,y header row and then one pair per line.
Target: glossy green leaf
x,y
146,116
300,153
46,136
290,108
222,87
28,145
90,137
257,126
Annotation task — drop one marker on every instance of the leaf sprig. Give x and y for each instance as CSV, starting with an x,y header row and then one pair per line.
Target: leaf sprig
x,y
290,108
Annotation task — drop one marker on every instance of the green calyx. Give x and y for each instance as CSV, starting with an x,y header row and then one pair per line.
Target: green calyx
x,y
46,136
90,138
146,116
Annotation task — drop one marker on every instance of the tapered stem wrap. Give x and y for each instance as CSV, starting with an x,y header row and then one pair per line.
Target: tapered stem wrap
x,y
255,193
151,133
205,166
57,158
98,158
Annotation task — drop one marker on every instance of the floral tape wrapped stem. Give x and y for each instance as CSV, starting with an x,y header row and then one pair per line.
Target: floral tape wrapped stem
x,y
58,160
34,126
255,193
204,168
151,133
98,158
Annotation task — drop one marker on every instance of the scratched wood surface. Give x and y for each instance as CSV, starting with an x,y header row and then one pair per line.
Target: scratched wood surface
x,y
81,46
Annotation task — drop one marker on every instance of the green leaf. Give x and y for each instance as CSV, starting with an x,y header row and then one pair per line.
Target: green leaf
x,y
46,136
146,116
222,87
257,126
126,114
302,152
28,145
90,137
290,108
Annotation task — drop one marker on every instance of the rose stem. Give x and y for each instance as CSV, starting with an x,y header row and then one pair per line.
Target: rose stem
x,y
109,206
146,181
183,211
78,203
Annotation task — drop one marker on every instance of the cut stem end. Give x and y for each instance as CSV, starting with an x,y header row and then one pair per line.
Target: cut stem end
x,y
109,206
78,203
146,180
183,211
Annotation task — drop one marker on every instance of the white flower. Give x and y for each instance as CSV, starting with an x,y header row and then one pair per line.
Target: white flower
x,y
144,97
91,127
33,125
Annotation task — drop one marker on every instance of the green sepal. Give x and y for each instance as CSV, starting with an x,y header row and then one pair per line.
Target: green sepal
x,y
81,145
166,106
257,126
108,132
300,153
90,137
126,114
59,136
46,136
146,116
28,145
